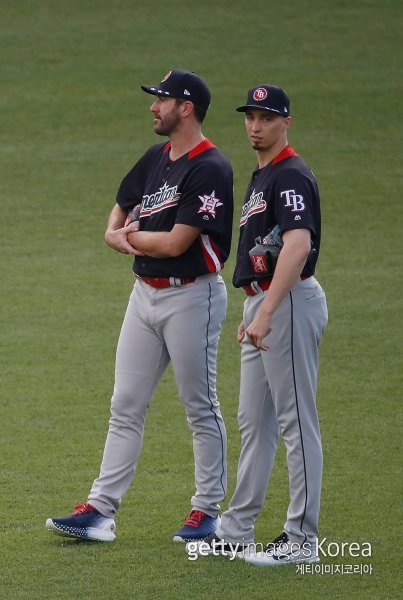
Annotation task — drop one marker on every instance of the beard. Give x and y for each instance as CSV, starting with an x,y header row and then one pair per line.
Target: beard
x,y
168,124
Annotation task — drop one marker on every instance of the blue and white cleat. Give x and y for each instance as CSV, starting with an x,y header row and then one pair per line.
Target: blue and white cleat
x,y
197,526
85,522
282,551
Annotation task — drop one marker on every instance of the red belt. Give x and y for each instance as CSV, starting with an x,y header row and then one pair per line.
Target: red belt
x,y
164,282
255,287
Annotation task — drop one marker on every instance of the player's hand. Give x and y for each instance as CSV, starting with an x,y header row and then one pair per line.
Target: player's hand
x,y
241,332
259,329
117,239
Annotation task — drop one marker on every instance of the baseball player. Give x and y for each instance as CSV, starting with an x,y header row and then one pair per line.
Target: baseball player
x,y
183,192
284,317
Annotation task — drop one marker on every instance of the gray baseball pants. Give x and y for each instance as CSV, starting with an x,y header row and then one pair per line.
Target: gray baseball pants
x,y
182,325
278,395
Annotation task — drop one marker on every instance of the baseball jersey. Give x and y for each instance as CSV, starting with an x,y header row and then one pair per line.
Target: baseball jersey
x,y
196,189
283,193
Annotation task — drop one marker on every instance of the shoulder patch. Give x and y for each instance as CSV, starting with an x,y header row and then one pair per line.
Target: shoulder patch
x,y
209,204
293,200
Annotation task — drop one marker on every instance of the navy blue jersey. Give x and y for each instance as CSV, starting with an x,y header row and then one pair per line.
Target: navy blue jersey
x,y
283,193
196,189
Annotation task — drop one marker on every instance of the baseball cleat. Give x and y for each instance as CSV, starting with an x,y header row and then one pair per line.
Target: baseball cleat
x,y
282,551
85,522
197,526
216,546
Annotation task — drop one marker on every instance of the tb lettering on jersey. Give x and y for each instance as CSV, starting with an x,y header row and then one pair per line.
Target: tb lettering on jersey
x,y
296,201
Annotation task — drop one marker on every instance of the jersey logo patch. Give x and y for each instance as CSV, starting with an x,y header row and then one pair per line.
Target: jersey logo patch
x,y
259,94
209,204
164,198
293,200
255,204
259,263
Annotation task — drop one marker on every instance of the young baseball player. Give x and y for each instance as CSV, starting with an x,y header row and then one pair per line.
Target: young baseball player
x,y
180,237
284,317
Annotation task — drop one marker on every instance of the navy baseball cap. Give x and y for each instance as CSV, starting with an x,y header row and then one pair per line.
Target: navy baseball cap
x,y
182,84
267,97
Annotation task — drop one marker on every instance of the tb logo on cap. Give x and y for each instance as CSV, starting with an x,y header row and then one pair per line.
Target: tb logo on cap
x,y
259,94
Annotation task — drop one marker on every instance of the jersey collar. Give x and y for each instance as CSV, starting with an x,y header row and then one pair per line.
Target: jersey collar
x,y
199,149
285,153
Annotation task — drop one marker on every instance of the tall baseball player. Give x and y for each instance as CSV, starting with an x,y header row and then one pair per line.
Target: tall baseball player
x,y
284,317
184,190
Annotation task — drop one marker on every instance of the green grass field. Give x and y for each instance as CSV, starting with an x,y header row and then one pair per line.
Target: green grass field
x,y
73,121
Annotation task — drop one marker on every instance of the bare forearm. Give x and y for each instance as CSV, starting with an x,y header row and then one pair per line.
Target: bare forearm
x,y
297,244
116,219
164,244
116,234
288,270
157,244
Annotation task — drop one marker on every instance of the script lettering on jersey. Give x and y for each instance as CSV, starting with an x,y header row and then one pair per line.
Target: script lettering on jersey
x,y
164,198
254,205
296,201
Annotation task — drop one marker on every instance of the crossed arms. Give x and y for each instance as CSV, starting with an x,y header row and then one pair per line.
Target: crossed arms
x,y
158,244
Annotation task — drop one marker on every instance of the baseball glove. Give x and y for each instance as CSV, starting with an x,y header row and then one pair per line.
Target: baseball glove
x,y
265,253
134,215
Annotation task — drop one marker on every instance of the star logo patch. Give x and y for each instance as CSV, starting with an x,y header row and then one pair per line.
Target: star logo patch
x,y
209,204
